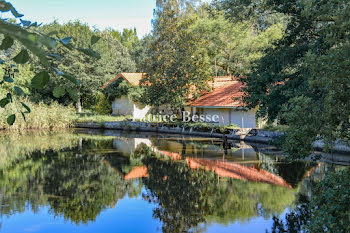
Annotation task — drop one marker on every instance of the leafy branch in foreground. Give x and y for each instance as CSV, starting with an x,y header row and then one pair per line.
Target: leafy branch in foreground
x,y
41,46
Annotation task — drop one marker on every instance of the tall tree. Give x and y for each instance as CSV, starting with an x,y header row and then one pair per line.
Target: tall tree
x,y
234,46
41,47
304,80
114,58
177,63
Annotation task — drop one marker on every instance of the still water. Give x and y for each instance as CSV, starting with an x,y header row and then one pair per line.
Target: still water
x,y
110,181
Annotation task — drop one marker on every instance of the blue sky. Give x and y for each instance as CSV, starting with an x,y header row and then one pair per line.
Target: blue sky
x,y
117,14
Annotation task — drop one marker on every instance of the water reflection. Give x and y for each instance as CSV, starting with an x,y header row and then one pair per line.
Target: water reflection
x,y
188,182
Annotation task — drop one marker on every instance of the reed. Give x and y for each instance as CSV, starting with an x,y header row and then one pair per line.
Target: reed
x,y
42,116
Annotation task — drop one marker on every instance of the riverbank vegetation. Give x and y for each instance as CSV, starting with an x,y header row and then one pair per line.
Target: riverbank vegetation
x,y
41,117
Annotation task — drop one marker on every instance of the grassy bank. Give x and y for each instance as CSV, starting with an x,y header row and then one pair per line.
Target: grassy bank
x,y
98,118
42,116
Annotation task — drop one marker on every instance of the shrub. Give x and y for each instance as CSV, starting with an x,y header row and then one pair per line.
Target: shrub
x,y
103,105
42,116
330,204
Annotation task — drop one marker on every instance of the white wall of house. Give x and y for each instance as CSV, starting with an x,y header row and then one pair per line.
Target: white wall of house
x,y
125,106
227,116
122,106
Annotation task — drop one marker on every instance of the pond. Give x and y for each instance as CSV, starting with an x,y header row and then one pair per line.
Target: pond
x,y
110,181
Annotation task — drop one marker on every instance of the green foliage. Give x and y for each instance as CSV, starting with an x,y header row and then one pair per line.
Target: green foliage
x,y
303,80
177,63
330,204
121,87
29,41
234,46
98,118
139,51
103,105
327,211
92,73
42,116
275,128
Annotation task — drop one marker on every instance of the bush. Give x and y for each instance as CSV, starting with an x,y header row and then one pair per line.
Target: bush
x,y
103,105
330,204
42,116
328,210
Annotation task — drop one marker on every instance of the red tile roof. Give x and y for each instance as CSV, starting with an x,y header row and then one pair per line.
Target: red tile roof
x,y
226,92
132,78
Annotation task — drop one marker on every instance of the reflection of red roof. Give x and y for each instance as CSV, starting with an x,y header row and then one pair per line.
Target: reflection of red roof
x,y
237,171
226,92
132,78
173,155
137,172
221,168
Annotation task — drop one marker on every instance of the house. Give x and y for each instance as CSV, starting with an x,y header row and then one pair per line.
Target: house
x,y
224,100
124,105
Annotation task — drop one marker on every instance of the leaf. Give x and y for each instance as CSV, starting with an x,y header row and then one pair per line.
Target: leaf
x,y
4,102
73,94
8,79
59,92
11,119
25,23
26,107
72,79
5,6
54,55
22,57
66,40
9,96
15,12
29,40
18,90
94,39
59,73
40,80
7,42
35,24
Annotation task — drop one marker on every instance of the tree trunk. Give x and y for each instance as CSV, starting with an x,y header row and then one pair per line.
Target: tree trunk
x,y
79,105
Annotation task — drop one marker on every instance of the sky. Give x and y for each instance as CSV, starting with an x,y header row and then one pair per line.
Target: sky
x,y
116,14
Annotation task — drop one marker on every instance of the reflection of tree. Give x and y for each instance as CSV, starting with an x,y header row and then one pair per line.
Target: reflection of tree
x,y
237,200
76,186
188,197
181,194
81,186
295,171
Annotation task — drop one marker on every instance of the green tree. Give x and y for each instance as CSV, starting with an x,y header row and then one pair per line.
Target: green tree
x,y
41,46
139,51
177,63
234,46
114,58
304,80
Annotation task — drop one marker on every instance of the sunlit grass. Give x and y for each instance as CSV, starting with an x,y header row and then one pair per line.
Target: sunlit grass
x,y
97,118
42,116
